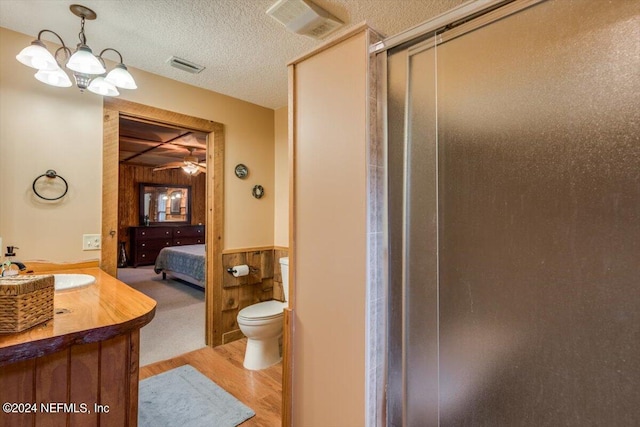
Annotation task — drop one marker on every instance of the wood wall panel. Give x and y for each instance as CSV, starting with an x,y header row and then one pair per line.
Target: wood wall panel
x,y
51,386
287,361
110,129
17,386
278,291
229,322
104,372
260,285
254,261
230,298
133,374
229,260
84,381
130,177
114,381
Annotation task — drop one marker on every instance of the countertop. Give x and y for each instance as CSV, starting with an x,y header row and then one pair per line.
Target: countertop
x,y
88,314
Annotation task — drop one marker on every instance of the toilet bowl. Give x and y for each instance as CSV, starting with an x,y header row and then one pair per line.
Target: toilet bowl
x,y
262,324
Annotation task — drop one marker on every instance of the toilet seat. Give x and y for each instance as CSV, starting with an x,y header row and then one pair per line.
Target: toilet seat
x,y
262,311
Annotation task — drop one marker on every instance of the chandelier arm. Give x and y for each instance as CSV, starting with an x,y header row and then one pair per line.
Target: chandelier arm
x,y
67,52
55,34
112,49
102,62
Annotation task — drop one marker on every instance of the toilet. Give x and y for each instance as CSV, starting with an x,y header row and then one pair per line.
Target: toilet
x,y
262,324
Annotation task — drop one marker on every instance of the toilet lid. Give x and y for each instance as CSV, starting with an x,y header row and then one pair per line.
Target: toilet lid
x,y
263,310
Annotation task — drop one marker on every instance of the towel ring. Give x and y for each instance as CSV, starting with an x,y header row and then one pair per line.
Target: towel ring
x,y
51,174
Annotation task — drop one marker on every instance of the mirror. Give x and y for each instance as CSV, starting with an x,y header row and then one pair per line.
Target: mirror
x,y
165,203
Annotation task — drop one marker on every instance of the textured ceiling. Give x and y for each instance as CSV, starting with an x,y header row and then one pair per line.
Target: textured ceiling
x,y
244,50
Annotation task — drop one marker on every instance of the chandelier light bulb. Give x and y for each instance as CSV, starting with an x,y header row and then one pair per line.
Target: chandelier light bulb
x,y
83,61
57,78
37,56
101,86
121,77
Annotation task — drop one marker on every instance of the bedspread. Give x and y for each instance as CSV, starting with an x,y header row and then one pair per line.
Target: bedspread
x,y
188,259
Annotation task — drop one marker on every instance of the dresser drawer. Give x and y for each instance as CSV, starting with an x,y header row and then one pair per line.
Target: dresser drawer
x,y
181,241
152,232
146,257
188,231
155,244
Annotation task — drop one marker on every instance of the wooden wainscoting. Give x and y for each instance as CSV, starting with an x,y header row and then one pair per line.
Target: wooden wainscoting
x,y
263,283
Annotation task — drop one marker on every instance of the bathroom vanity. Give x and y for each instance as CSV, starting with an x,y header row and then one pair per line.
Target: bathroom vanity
x,y
81,367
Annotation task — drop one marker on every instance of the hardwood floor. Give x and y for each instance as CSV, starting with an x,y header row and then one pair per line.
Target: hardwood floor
x,y
260,390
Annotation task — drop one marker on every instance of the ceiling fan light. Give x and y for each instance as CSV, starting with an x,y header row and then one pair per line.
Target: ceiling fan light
x,y
57,78
190,168
101,86
37,56
121,77
83,61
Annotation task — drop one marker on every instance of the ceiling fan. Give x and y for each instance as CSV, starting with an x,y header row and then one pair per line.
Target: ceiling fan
x,y
190,164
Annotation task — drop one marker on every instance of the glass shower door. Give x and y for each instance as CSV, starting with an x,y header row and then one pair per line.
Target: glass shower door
x,y
519,243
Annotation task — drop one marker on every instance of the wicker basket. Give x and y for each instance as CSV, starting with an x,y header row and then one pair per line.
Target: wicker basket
x,y
25,301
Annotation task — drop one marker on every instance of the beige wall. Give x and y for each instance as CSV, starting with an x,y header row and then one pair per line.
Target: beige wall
x,y
281,179
43,127
330,250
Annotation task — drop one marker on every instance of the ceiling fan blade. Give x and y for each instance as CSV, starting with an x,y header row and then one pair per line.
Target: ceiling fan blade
x,y
172,165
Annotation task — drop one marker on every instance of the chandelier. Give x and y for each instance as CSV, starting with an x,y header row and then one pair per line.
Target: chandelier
x,y
89,71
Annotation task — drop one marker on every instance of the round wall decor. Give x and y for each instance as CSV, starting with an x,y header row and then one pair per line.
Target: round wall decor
x,y
258,191
241,171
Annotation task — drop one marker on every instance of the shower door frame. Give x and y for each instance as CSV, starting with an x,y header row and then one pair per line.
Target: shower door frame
x,y
480,14
458,21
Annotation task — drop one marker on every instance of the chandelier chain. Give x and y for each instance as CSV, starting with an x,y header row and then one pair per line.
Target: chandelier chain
x,y
81,36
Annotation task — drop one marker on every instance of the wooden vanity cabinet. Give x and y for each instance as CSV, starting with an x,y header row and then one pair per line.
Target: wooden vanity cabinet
x,y
80,368
98,383
146,242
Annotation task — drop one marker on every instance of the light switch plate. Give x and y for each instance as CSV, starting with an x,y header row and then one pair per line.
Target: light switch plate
x,y
91,242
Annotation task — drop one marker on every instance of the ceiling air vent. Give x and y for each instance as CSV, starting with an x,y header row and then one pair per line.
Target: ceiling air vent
x,y
185,65
304,17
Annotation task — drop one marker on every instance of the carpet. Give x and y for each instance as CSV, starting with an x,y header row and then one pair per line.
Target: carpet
x,y
178,326
184,397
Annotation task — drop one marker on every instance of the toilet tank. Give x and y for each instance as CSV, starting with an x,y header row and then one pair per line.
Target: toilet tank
x,y
284,269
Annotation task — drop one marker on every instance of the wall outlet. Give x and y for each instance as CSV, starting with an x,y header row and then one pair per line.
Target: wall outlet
x,y
91,242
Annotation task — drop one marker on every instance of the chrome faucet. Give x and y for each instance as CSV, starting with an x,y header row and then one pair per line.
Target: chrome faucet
x,y
6,266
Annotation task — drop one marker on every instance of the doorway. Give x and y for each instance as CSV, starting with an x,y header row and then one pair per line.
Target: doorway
x,y
114,110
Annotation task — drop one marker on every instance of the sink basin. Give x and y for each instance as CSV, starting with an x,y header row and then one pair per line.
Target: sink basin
x,y
72,281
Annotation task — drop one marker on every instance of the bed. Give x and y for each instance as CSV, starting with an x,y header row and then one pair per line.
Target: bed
x,y
182,262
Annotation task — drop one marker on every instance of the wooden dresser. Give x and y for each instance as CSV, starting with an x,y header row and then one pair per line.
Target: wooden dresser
x,y
146,242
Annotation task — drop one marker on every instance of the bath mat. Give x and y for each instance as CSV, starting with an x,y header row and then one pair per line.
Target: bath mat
x,y
184,397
